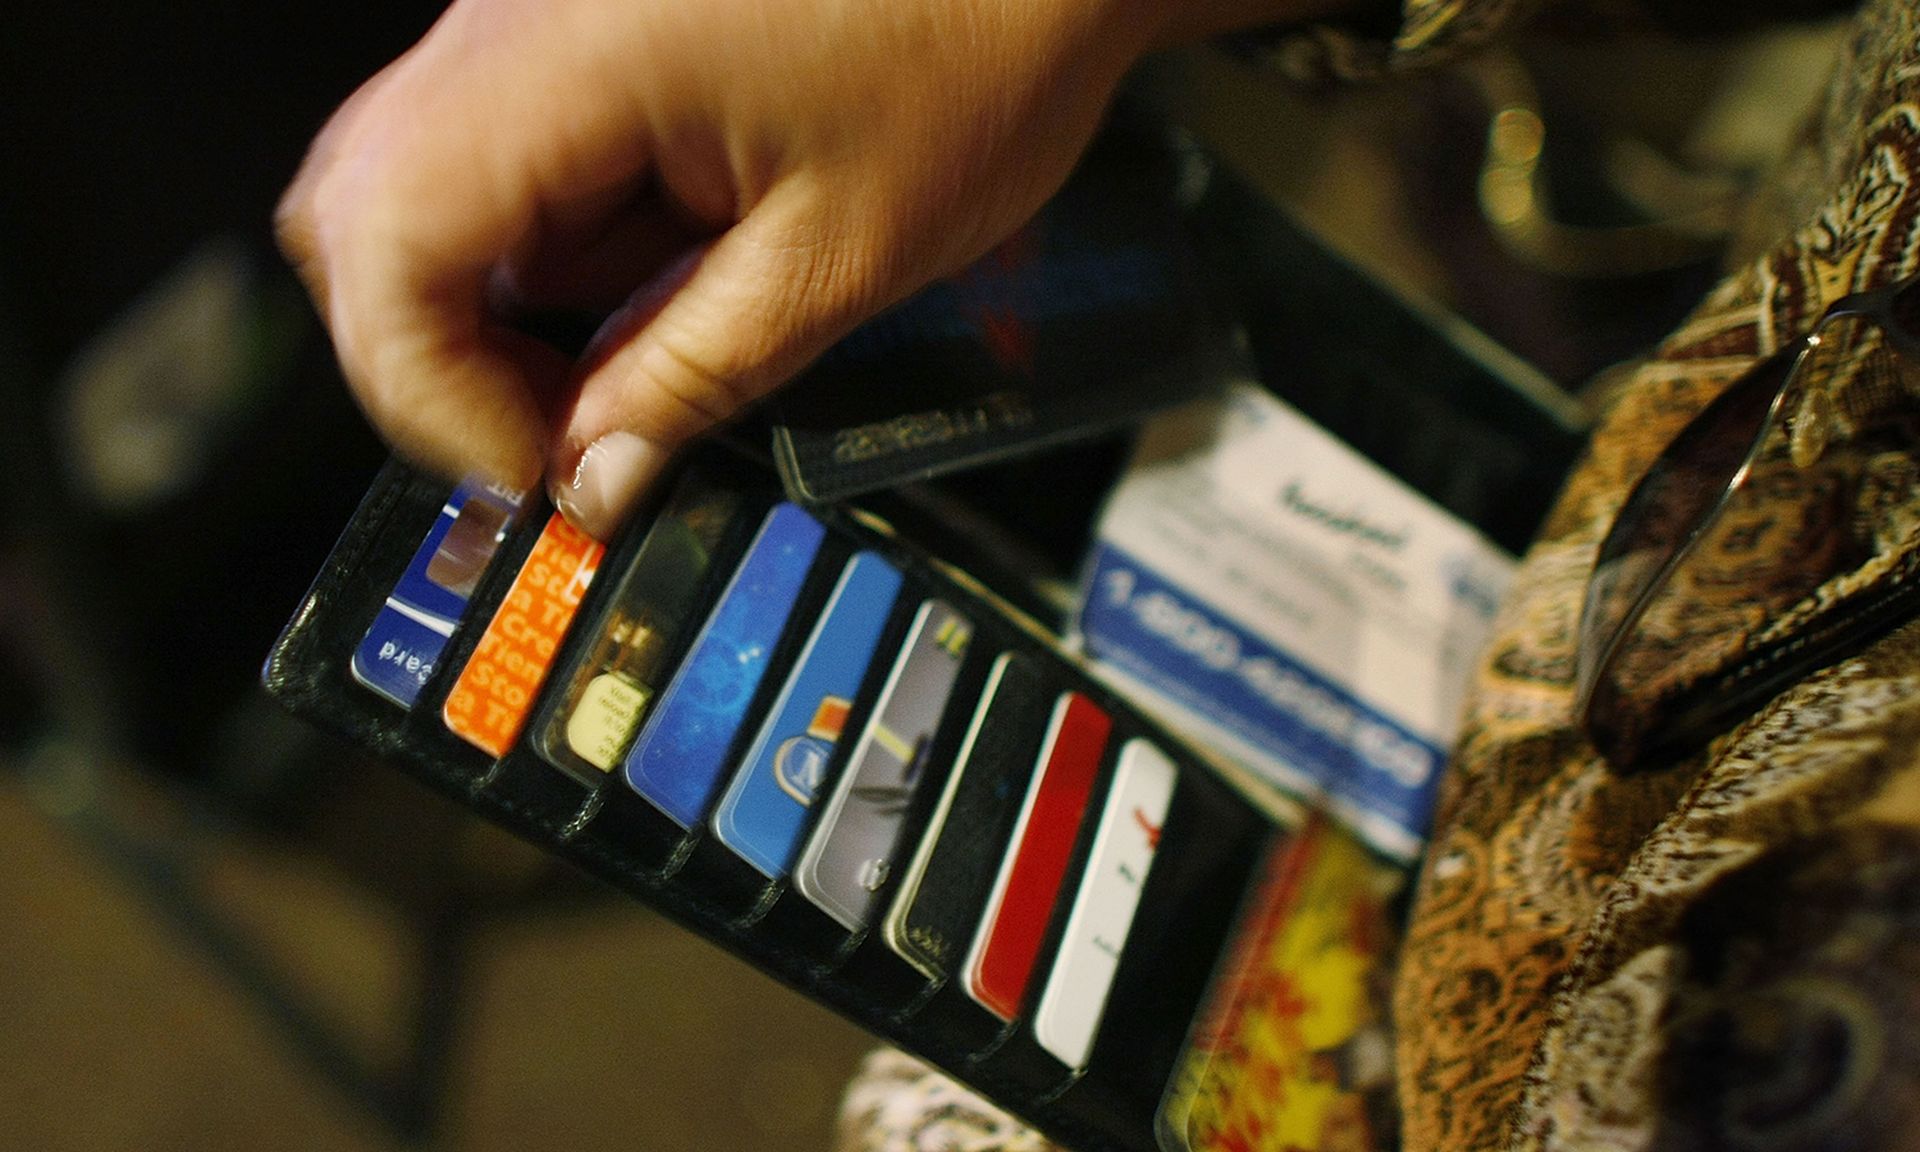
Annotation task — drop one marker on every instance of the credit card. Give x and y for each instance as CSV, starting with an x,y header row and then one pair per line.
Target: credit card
x,y
488,705
402,647
1292,1052
1075,994
677,759
766,805
945,886
1089,317
850,853
1000,963
586,727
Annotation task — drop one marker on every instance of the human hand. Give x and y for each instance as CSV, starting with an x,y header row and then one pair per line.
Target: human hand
x,y
769,174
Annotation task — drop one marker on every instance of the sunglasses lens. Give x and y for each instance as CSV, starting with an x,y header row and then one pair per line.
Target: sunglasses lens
x,y
1904,311
1659,518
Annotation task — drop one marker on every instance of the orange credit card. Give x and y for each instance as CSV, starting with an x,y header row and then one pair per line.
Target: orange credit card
x,y
489,702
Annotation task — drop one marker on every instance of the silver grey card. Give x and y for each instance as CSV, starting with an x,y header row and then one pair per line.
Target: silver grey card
x,y
850,853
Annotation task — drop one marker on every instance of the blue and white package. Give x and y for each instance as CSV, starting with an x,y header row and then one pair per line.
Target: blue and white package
x,y
1284,600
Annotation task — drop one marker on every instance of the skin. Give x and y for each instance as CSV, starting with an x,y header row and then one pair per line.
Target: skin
x,y
752,178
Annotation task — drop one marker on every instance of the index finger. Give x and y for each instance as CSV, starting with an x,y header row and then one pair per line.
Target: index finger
x,y
413,194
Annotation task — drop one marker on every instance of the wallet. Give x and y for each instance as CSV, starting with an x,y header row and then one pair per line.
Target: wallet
x,y
807,739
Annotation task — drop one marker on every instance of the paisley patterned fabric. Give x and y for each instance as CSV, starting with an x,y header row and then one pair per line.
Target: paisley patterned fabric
x,y
1543,981
1723,953
898,1104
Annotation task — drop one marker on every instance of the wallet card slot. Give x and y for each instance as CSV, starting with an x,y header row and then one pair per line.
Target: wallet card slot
x,y
696,731
802,740
760,895
945,884
849,859
410,638
869,960
622,831
1210,846
631,630
947,1012
495,692
1020,1053
1125,842
659,581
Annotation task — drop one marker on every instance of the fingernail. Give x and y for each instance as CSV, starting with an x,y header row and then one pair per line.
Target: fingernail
x,y
612,475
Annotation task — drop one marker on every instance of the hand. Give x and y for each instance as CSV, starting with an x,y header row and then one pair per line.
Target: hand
x,y
769,172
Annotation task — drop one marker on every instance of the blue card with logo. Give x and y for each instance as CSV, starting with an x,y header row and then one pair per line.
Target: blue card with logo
x,y
677,759
403,645
765,807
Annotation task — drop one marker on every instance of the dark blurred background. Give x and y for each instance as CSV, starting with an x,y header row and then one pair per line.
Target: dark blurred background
x,y
221,929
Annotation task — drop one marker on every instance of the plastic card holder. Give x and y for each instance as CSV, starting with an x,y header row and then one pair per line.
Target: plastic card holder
x,y
609,831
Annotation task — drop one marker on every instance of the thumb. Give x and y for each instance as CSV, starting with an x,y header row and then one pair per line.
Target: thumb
x,y
716,332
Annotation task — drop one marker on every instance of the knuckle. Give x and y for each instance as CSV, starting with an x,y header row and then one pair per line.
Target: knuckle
x,y
834,273
705,390
293,225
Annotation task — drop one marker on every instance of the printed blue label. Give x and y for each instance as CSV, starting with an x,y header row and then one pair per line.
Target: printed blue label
x,y
398,656
1147,627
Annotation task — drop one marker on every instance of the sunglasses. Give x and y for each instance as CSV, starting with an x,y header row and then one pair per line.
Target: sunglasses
x,y
1731,571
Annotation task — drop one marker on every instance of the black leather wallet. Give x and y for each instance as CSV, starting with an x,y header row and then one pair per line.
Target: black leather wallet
x,y
1102,849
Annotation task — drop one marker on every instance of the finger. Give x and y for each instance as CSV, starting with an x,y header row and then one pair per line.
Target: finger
x,y
436,177
740,318
596,271
295,217
450,390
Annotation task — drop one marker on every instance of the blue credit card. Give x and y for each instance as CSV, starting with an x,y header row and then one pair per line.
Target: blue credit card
x,y
677,758
765,807
403,645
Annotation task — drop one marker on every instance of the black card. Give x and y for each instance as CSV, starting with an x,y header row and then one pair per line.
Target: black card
x,y
945,887
1090,317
